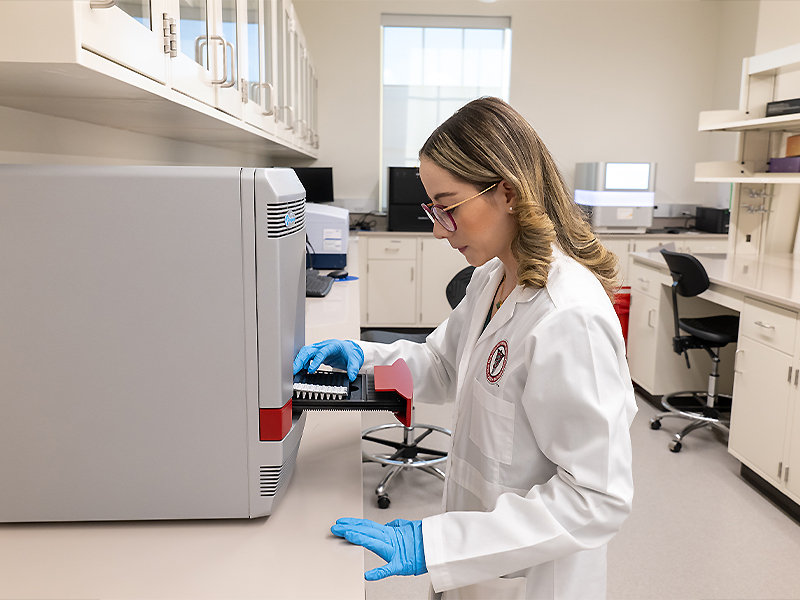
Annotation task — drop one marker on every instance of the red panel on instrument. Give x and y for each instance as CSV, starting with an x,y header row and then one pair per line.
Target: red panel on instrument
x,y
397,378
275,423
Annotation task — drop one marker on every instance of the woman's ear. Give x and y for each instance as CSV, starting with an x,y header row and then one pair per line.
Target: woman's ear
x,y
509,195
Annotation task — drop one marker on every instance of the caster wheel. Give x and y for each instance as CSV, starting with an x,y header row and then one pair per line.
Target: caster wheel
x,y
384,501
655,424
675,446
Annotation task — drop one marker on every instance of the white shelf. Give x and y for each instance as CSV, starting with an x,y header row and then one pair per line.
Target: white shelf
x,y
734,120
736,172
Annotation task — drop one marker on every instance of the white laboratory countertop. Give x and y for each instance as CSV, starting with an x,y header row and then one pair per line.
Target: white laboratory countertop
x,y
773,277
290,554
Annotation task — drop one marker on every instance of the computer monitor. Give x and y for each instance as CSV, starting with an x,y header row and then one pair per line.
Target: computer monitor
x,y
318,183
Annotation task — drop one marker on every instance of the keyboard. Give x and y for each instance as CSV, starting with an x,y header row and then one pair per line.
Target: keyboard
x,y
317,286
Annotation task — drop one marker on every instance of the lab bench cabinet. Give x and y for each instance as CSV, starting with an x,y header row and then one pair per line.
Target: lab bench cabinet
x,y
652,363
692,243
765,425
230,73
404,277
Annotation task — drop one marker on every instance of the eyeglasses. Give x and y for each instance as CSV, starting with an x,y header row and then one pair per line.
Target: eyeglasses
x,y
441,215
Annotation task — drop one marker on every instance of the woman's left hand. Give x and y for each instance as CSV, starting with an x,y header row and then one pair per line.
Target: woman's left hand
x,y
399,543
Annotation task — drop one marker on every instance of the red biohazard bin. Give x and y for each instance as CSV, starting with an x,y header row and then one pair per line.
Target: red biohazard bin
x,y
622,306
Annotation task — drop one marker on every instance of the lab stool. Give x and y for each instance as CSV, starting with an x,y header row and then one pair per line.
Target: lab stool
x,y
407,454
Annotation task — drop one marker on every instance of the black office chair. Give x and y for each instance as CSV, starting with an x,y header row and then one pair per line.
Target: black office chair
x,y
408,454
707,408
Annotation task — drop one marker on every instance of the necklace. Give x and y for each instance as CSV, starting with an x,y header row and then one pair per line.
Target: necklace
x,y
500,302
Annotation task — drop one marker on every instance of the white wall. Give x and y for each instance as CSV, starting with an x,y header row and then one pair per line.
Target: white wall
x,y
778,25
599,80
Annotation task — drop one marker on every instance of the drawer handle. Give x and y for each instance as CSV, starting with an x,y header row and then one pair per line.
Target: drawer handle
x,y
391,249
643,280
764,325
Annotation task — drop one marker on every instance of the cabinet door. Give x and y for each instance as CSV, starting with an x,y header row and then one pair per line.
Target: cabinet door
x,y
130,33
439,263
761,390
255,37
195,67
642,339
285,112
228,26
792,474
391,292
619,246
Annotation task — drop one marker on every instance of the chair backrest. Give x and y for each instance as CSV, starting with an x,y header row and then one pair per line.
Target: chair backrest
x,y
688,275
457,288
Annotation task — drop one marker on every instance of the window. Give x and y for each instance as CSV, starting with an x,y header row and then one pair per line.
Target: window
x,y
431,67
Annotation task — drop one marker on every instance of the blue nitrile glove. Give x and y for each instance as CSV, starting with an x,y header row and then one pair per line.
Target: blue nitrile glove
x,y
340,354
399,543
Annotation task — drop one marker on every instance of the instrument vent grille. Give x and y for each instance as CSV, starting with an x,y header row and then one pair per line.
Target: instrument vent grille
x,y
285,218
271,477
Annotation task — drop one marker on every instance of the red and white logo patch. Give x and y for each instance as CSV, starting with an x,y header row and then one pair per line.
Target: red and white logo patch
x,y
496,364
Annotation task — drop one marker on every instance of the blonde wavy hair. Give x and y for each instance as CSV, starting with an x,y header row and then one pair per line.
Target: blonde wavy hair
x,y
487,141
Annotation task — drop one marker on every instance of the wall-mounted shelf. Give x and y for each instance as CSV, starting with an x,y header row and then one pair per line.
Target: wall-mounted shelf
x,y
737,172
734,120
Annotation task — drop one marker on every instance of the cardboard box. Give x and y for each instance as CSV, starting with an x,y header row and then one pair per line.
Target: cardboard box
x,y
793,145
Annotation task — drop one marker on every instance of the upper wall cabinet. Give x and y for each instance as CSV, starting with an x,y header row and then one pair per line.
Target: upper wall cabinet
x,y
227,73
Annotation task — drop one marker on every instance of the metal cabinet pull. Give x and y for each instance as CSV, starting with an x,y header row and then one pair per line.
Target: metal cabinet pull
x,y
391,249
780,469
796,373
786,475
232,82
412,273
789,379
764,325
198,49
649,316
271,110
290,126
736,362
102,3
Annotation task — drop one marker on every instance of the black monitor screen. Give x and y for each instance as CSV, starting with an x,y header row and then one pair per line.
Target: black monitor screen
x,y
318,183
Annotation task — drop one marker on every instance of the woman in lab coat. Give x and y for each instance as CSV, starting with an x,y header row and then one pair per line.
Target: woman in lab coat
x,y
539,472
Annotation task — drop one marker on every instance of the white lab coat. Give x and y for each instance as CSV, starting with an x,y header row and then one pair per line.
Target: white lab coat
x,y
539,470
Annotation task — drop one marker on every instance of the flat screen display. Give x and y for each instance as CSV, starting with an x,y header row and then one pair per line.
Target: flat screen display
x,y
627,176
318,183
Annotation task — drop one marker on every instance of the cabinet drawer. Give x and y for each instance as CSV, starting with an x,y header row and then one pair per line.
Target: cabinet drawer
x,y
389,247
705,246
768,324
645,279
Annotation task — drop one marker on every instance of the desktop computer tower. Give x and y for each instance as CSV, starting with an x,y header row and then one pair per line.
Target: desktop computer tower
x,y
406,193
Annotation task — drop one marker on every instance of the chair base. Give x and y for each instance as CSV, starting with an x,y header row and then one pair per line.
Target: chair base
x,y
407,454
693,407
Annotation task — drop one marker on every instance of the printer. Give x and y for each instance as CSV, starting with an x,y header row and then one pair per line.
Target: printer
x,y
327,228
618,197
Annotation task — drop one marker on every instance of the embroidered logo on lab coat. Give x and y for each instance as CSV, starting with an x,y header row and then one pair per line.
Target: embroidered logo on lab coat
x,y
497,362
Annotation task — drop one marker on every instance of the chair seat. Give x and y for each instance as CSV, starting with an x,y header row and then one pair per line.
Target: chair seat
x,y
719,330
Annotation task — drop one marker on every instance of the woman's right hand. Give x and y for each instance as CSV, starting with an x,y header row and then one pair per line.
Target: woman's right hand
x,y
339,354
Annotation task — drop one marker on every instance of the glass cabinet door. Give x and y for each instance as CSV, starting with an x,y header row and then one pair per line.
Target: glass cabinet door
x,y
256,63
286,111
193,73
225,30
131,33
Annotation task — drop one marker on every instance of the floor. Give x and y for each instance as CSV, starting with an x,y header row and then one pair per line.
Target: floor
x,y
697,530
